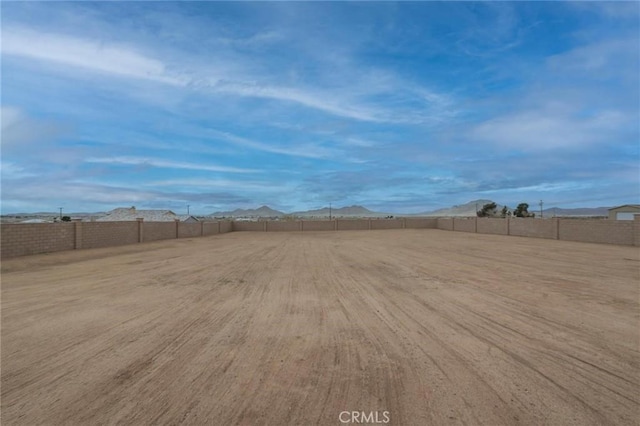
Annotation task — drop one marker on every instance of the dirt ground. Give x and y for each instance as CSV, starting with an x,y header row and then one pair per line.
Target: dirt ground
x,y
432,327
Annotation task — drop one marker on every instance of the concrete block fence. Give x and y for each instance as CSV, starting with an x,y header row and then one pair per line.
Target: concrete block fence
x,y
19,239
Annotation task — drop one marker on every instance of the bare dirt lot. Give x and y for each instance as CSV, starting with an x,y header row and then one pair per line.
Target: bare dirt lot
x,y
433,327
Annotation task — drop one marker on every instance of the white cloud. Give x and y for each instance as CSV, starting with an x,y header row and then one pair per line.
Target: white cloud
x,y
545,129
20,130
83,53
161,163
307,150
11,170
601,59
347,99
235,185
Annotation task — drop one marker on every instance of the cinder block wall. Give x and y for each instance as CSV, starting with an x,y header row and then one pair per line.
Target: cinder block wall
x,y
248,226
154,231
211,228
445,223
421,223
488,225
108,234
20,239
387,224
537,228
318,225
352,225
189,230
226,226
464,224
25,239
284,226
598,231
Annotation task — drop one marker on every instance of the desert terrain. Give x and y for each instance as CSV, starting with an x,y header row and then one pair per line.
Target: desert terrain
x,y
432,327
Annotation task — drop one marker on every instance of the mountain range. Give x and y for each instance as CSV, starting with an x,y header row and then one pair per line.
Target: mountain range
x,y
266,211
467,209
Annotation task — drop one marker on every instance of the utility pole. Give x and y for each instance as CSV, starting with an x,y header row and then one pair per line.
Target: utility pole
x,y
329,211
60,212
188,209
541,203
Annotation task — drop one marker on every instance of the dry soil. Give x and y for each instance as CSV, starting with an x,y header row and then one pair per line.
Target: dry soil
x,y
433,327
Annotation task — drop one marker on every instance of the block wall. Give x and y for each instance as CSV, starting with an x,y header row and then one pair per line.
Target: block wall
x,y
277,226
108,234
154,231
20,239
226,226
464,224
488,225
352,225
318,225
537,228
598,231
387,224
421,223
248,226
211,228
189,229
445,223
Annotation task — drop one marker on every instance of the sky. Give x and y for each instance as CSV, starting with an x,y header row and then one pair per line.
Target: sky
x,y
400,107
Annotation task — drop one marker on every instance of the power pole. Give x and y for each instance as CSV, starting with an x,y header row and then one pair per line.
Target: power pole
x,y
188,209
329,211
541,203
60,212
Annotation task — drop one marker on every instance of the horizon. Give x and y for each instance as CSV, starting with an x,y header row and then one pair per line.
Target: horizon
x,y
532,208
398,107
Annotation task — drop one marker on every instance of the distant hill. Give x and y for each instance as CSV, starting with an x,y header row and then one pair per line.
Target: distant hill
x,y
263,211
593,211
468,209
352,211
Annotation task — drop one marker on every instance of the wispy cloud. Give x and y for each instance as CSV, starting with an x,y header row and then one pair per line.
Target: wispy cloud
x,y
398,105
161,163
84,53
302,150
545,130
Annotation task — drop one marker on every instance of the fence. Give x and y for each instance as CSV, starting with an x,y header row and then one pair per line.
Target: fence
x,y
603,231
19,239
23,239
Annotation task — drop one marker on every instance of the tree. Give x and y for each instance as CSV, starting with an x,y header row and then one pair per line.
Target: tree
x,y
488,210
523,211
504,212
66,219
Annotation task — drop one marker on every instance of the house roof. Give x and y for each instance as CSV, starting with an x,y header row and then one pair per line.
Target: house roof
x,y
635,206
132,214
186,217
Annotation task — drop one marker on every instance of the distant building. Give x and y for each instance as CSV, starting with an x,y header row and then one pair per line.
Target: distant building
x,y
125,214
187,218
624,212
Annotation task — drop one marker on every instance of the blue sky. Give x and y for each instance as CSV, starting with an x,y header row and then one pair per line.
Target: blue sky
x,y
400,107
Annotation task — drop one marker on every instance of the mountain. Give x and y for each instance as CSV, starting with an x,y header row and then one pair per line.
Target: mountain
x,y
468,209
352,211
263,211
593,211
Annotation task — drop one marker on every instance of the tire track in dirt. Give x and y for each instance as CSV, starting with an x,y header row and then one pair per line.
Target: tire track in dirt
x,y
293,328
